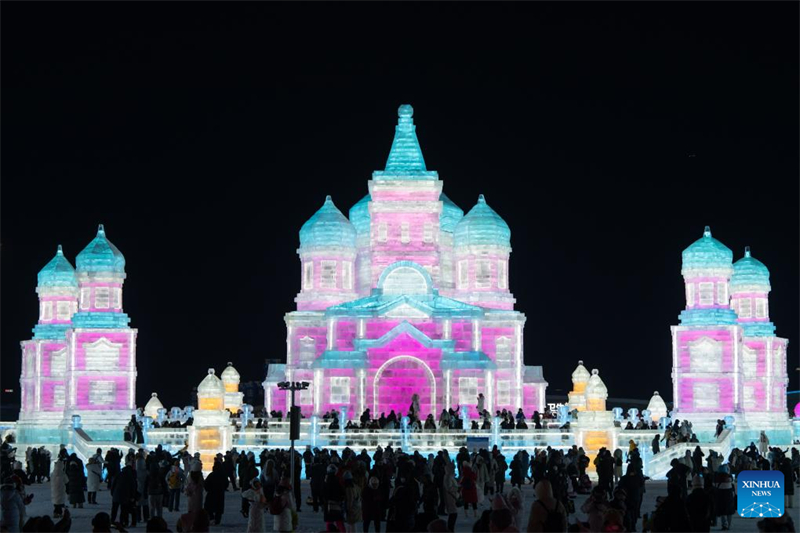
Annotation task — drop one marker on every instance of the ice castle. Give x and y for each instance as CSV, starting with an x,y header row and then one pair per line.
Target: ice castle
x,y
81,360
406,296
726,359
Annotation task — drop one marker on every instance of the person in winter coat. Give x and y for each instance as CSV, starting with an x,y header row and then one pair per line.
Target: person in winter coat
x,y
450,495
58,487
216,484
372,505
724,497
352,503
194,490
656,444
123,494
671,515
469,489
12,507
142,505
94,476
175,481
318,471
699,505
156,488
547,513
333,498
257,503
633,485
595,507
516,503
617,465
283,499
75,488
785,466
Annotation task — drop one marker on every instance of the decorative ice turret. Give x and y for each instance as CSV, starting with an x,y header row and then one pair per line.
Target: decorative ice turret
x,y
450,217
706,272
596,392
749,296
233,398
44,358
152,406
482,242
328,254
211,431
657,407
577,397
101,376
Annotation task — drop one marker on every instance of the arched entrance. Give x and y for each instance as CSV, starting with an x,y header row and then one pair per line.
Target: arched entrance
x,y
397,380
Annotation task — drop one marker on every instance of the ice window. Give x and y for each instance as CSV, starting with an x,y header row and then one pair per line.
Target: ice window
x,y
308,275
761,308
58,363
347,275
706,293
745,308
383,231
46,311
502,275
102,355
327,279
102,392
340,390
115,298
705,355
483,274
63,310
463,274
503,392
307,349
749,361
706,395
59,396
777,362
722,293
405,233
101,297
427,234
690,295
86,294
503,352
468,391
749,396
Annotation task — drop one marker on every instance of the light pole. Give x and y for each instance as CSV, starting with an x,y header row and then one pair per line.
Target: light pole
x,y
294,418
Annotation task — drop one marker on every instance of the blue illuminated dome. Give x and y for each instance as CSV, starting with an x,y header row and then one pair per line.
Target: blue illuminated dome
x,y
482,226
100,255
359,215
451,214
58,272
707,252
749,271
327,227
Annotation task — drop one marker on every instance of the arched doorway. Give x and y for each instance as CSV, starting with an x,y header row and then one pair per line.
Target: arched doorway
x,y
397,380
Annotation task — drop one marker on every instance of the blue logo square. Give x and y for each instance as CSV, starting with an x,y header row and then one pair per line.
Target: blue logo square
x,y
759,494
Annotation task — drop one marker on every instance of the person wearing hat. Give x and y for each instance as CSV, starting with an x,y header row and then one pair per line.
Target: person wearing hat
x,y
94,476
58,486
724,496
257,504
194,488
282,508
700,506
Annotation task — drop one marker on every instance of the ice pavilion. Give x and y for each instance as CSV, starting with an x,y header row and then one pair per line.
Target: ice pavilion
x,y
407,295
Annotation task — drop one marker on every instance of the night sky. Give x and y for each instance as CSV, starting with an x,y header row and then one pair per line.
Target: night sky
x,y
203,136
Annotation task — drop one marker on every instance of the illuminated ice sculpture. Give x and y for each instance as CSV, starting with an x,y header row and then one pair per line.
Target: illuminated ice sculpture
x,y
657,407
211,432
408,295
577,396
727,360
152,406
233,398
82,359
595,424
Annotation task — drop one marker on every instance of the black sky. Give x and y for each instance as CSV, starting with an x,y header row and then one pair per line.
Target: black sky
x,y
204,134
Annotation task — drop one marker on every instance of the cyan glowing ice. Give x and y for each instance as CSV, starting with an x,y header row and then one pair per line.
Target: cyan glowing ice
x,y
407,296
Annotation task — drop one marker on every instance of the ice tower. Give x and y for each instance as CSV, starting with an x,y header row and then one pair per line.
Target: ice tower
x,y
394,319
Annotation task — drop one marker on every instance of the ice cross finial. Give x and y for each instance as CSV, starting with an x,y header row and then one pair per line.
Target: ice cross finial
x,y
707,231
481,199
101,230
59,251
747,251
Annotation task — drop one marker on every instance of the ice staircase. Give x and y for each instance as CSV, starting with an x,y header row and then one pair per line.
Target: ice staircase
x,y
659,464
84,447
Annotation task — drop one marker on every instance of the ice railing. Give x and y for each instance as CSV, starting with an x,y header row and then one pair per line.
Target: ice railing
x,y
657,466
84,447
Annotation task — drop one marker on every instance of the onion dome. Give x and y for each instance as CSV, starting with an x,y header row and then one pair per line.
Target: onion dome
x,y
327,227
580,375
211,385
482,226
707,252
749,271
657,406
58,272
595,388
230,374
101,255
152,406
451,214
359,215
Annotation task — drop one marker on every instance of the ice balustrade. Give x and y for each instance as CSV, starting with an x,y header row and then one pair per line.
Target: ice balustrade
x,y
659,464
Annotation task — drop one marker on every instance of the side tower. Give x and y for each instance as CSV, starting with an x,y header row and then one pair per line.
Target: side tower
x,y
44,358
482,242
764,377
327,254
706,359
101,368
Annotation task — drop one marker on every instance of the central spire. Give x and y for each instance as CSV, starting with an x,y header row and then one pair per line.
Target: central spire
x,y
405,157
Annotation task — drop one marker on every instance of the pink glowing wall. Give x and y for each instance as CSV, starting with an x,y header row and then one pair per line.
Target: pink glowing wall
x,y
725,402
82,393
119,338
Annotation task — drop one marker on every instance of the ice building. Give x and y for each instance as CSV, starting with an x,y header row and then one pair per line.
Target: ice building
x,y
82,357
407,295
727,360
